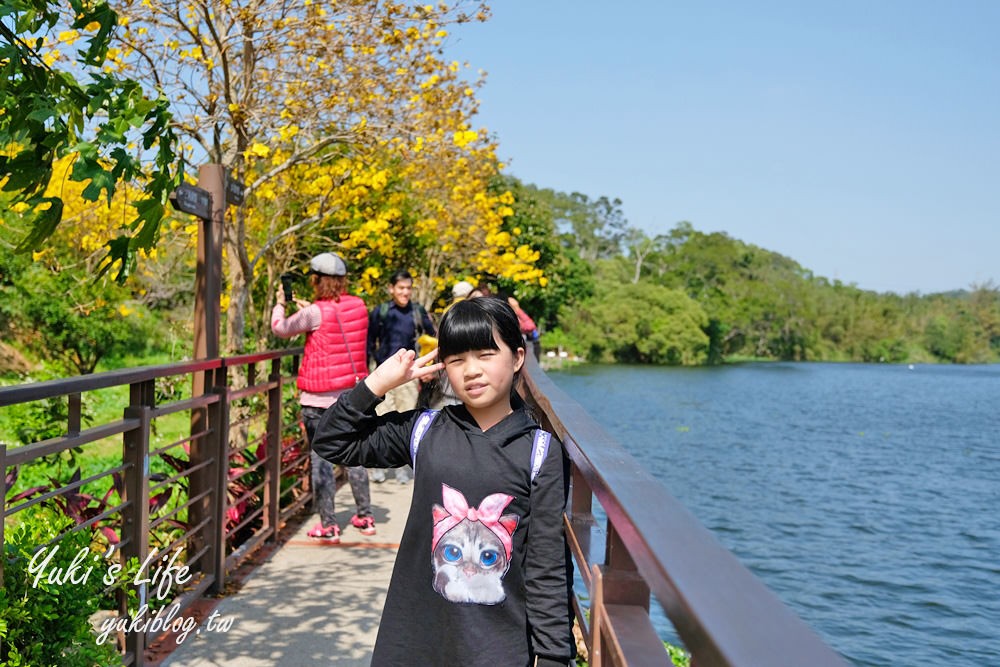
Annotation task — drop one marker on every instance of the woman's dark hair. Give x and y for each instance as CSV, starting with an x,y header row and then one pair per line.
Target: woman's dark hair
x,y
469,325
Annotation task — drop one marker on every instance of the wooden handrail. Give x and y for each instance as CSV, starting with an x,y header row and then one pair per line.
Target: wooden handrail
x,y
36,391
723,614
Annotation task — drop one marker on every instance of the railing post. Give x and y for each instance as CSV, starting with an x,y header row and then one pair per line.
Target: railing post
x,y
217,474
3,504
135,514
622,582
596,657
272,489
75,412
581,498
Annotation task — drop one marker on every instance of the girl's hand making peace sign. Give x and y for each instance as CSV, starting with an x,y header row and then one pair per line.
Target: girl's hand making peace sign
x,y
400,368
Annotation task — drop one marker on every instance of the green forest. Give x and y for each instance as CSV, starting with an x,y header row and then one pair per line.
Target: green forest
x,y
688,297
612,294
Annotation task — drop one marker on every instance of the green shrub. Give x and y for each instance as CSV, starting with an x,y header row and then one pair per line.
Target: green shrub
x,y
678,655
44,624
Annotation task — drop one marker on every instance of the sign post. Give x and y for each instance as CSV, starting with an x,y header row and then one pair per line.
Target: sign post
x,y
208,201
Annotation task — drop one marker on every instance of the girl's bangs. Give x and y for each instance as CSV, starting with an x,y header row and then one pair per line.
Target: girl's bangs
x,y
463,330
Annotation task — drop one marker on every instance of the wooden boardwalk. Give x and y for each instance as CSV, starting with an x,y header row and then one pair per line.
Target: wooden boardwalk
x,y
310,602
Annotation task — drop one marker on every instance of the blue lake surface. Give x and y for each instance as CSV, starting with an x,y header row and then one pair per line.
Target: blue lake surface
x,y
867,497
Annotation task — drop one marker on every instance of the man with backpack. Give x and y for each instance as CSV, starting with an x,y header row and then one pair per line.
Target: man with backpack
x,y
393,325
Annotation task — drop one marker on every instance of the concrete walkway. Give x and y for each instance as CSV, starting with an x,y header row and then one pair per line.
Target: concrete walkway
x,y
310,603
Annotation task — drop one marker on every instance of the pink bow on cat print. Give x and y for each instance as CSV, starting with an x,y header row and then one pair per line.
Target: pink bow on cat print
x,y
456,509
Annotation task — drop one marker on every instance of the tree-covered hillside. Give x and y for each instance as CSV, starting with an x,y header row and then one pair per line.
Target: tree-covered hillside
x,y
691,297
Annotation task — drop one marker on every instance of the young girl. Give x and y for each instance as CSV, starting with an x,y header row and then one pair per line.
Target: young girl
x,y
482,576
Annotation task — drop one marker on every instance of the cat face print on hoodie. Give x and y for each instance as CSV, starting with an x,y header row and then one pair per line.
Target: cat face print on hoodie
x,y
471,547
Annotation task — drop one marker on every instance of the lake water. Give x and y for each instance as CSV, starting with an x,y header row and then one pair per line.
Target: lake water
x,y
867,497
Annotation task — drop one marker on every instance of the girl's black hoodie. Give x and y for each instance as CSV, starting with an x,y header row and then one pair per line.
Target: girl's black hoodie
x,y
483,575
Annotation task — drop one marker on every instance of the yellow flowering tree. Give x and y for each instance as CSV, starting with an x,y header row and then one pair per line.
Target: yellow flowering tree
x,y
323,109
441,220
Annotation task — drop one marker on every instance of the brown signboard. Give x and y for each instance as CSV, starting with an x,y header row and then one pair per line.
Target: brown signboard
x,y
193,200
234,191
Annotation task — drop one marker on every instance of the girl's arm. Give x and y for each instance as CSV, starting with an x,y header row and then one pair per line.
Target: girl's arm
x,y
352,434
548,574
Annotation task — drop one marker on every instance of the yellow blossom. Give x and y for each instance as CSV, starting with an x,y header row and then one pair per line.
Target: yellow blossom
x,y
259,149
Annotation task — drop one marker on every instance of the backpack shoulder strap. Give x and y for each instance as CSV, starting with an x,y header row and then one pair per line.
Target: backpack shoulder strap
x,y
418,318
539,449
419,429
383,312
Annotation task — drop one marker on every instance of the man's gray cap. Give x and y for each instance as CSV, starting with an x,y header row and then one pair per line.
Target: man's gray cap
x,y
328,264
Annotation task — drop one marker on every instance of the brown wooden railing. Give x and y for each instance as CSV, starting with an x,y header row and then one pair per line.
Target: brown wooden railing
x,y
650,545
231,480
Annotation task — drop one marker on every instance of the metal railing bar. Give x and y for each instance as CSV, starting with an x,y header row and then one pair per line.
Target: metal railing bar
x,y
251,492
37,391
249,517
198,466
247,548
196,556
249,418
246,470
298,504
184,474
185,602
297,486
252,390
192,530
166,448
100,517
177,510
242,360
154,523
26,453
251,440
172,546
62,490
301,460
186,404
200,435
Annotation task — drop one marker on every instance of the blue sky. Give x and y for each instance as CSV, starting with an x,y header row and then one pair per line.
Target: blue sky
x,y
861,139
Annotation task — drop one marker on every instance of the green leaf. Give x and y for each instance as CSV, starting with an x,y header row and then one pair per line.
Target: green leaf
x,y
42,114
28,171
43,223
98,44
